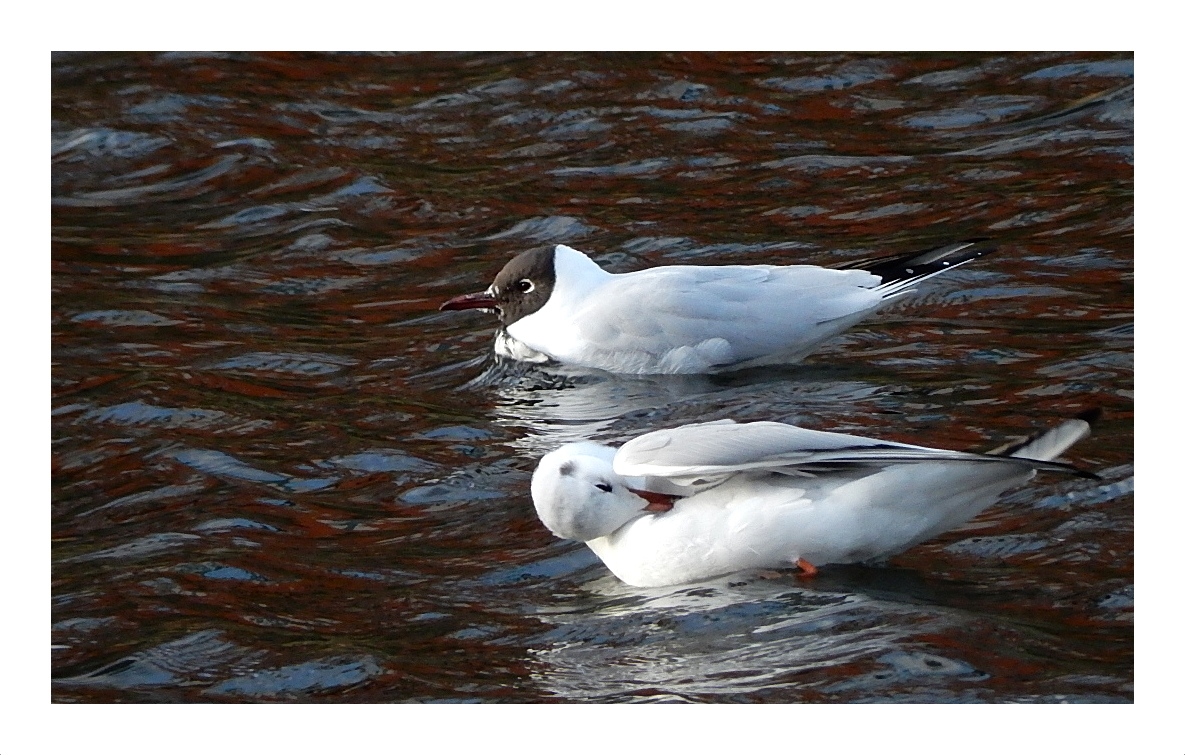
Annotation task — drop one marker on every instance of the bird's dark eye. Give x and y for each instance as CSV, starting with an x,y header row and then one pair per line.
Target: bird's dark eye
x,y
605,487
525,286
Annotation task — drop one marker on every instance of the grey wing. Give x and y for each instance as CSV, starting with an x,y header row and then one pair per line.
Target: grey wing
x,y
703,454
755,309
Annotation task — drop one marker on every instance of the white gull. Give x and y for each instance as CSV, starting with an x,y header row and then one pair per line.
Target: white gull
x,y
558,305
702,500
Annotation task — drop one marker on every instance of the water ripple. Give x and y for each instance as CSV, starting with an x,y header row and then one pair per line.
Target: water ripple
x,y
281,474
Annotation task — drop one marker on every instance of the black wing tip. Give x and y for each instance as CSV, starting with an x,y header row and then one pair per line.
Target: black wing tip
x,y
902,267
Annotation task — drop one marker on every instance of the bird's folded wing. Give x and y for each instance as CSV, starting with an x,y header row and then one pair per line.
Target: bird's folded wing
x,y
719,449
656,309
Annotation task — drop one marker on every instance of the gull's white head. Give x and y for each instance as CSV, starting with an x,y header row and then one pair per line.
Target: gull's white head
x,y
578,495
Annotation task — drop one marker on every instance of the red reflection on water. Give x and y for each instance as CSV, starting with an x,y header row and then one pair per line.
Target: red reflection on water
x,y
295,463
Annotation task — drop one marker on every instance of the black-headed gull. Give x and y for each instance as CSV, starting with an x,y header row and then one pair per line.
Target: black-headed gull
x,y
558,305
703,500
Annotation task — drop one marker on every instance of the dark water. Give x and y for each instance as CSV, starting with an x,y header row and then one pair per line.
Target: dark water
x,y
280,474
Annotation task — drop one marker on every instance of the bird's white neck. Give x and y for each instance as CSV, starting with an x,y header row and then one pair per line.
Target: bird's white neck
x,y
575,274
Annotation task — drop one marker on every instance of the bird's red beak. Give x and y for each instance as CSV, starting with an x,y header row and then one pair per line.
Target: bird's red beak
x,y
655,501
482,300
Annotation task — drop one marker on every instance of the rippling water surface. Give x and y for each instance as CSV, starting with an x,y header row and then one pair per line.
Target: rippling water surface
x,y
279,473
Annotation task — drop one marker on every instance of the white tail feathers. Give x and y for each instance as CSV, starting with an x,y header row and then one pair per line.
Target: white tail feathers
x,y
1054,442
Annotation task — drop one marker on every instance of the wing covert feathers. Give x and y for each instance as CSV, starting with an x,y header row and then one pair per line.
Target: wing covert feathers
x,y
721,449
